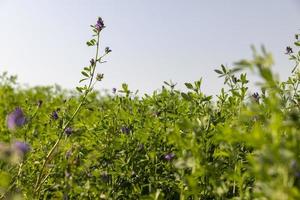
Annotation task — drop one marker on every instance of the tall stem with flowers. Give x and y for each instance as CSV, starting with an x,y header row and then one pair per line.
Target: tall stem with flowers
x,y
91,78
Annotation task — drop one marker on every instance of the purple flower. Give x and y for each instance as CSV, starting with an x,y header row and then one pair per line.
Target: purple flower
x,y
169,156
125,130
100,24
54,115
21,147
289,50
107,50
92,62
16,119
68,131
114,90
99,77
256,97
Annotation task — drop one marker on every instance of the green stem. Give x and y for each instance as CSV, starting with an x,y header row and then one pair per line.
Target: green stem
x,y
39,181
14,183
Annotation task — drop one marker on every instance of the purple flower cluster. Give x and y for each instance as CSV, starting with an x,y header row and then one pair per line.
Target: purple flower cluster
x,y
21,147
125,130
107,50
289,50
68,131
16,119
92,62
15,152
99,25
169,156
99,77
54,115
256,97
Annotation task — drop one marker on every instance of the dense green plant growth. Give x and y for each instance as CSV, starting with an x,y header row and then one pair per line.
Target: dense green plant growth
x,y
58,144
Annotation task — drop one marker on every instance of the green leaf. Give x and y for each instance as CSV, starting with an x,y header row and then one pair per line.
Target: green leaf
x,y
185,96
189,85
297,43
79,89
218,71
125,87
89,43
198,84
4,179
165,82
223,69
243,63
83,80
208,98
85,74
88,69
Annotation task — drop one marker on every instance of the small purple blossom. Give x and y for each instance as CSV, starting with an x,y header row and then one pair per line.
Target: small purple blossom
x,y
21,147
256,97
68,131
16,119
92,62
107,50
54,115
99,77
289,50
169,156
114,90
125,130
100,24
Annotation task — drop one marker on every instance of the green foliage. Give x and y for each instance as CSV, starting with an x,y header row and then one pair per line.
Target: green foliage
x,y
168,145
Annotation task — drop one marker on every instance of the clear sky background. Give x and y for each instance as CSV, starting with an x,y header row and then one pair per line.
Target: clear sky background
x,y
43,41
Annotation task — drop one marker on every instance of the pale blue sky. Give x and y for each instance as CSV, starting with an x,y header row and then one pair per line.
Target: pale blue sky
x,y
43,42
